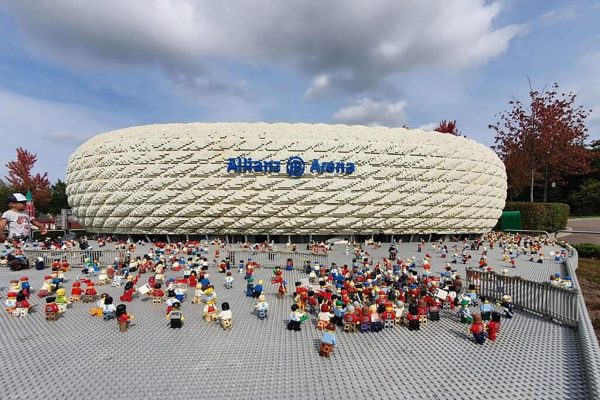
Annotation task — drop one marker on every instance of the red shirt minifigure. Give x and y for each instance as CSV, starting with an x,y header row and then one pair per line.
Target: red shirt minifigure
x,y
494,326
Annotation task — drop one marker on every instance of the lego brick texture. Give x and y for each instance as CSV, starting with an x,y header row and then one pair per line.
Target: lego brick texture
x,y
173,179
80,356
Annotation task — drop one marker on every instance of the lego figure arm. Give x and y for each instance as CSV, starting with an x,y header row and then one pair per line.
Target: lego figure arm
x,y
41,226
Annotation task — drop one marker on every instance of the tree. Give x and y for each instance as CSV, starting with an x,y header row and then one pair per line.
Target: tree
x,y
21,179
587,198
5,190
544,140
59,197
448,127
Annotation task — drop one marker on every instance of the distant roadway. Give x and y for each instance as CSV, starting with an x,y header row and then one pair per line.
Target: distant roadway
x,y
582,224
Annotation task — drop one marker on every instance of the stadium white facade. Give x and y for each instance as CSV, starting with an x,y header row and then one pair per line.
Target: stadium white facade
x,y
284,179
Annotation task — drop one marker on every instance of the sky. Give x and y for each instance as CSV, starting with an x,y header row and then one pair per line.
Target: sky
x,y
71,69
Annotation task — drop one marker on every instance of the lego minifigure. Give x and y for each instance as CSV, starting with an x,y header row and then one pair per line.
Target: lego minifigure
x,y
129,290
209,294
51,309
76,292
507,306
376,322
338,313
324,317
258,289
157,294
193,279
180,291
46,287
61,300
365,320
40,264
486,309
175,316
109,311
262,307
90,293
413,317
25,286
494,327
10,304
249,287
389,316
465,312
434,310
228,280
225,316
295,318
422,310
478,329
399,312
350,320
328,341
22,306
98,310
102,277
205,281
123,318
289,266
198,294
210,311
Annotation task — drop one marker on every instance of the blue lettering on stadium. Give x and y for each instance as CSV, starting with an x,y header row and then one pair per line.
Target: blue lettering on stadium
x,y
294,167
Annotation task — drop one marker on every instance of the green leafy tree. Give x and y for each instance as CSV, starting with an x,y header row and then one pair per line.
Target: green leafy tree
x,y
58,201
5,191
587,198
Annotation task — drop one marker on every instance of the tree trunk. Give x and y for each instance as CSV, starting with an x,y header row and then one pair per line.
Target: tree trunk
x,y
546,184
531,187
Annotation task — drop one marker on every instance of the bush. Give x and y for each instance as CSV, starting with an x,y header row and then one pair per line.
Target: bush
x,y
588,250
541,216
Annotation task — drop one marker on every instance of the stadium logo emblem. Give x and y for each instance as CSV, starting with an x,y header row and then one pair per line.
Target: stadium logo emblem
x,y
295,167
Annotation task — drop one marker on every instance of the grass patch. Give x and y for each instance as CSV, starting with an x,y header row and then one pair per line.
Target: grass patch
x,y
588,274
589,269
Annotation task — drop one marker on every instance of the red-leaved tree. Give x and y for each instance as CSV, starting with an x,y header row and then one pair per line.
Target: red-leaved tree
x,y
448,127
21,178
543,140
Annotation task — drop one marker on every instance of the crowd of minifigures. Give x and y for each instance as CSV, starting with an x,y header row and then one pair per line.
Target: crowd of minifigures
x,y
360,297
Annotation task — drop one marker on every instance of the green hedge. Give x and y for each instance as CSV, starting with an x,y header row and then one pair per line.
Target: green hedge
x,y
588,250
541,216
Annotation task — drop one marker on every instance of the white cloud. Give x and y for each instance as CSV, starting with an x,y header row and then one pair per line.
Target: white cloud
x,y
53,130
65,138
562,14
429,126
369,112
349,45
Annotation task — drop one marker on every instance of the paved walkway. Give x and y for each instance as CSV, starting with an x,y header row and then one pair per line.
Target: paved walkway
x,y
80,356
582,224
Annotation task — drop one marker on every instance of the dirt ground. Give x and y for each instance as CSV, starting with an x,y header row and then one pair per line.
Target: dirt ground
x,y
588,273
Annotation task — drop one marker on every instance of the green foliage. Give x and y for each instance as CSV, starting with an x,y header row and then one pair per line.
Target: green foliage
x,y
59,198
587,198
588,250
5,191
541,216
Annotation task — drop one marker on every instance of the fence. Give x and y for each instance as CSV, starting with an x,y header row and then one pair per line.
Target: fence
x,y
542,298
277,258
75,257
